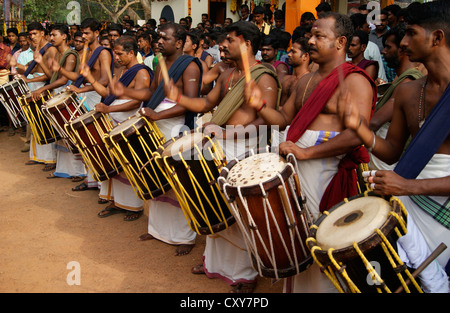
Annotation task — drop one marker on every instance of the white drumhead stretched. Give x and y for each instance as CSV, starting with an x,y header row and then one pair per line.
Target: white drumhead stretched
x,y
184,143
57,99
256,169
354,221
124,125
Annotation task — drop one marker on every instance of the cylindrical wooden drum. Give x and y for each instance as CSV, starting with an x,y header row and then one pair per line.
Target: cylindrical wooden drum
x,y
192,164
88,131
9,96
41,127
265,197
62,108
133,143
354,243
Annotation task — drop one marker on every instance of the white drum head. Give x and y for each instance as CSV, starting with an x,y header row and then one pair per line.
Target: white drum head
x,y
182,144
354,221
256,169
124,125
57,99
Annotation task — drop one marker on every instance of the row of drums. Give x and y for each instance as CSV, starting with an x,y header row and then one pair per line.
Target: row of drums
x,y
260,192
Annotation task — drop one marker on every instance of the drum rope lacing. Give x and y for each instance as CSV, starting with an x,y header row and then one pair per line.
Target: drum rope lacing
x,y
254,232
15,110
134,174
183,196
37,123
72,115
89,155
389,251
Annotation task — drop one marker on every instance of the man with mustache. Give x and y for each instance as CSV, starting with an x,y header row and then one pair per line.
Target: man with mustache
x,y
269,51
326,152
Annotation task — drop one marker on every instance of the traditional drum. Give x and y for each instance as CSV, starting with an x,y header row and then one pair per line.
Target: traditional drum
x,y
62,108
265,197
9,96
354,243
43,131
133,144
191,163
88,131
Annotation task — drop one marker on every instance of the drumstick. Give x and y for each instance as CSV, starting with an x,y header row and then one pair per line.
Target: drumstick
x,y
244,56
425,263
108,71
162,65
83,58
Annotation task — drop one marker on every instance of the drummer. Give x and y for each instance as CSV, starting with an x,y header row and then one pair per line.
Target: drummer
x,y
316,137
406,71
99,60
232,110
136,76
166,220
39,153
421,109
65,57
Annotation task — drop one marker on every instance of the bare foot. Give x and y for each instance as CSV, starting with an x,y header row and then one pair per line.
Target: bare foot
x,y
145,237
183,249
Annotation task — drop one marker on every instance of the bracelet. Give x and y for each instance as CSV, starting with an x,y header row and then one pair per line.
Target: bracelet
x,y
92,84
373,143
179,98
262,106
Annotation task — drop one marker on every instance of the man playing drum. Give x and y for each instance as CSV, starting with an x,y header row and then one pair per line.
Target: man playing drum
x,y
99,60
166,219
324,149
118,189
39,153
421,109
225,254
67,165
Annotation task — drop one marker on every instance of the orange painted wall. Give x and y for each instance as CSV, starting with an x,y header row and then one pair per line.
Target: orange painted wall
x,y
295,9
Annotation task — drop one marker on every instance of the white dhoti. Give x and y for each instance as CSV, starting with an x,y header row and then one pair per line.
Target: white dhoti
x,y
119,190
68,164
166,220
91,98
314,176
119,187
226,256
41,153
375,163
433,232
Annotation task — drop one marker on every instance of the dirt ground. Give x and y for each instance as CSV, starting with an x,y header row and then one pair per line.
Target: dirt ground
x,y
44,226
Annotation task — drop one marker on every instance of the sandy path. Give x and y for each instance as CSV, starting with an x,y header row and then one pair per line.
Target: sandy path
x,y
44,226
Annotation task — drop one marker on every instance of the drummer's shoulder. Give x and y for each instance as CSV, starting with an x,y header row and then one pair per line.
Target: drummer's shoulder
x,y
409,87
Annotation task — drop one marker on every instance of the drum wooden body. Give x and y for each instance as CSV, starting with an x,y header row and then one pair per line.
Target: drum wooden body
x,y
88,131
62,108
265,196
355,241
133,143
192,163
9,96
42,128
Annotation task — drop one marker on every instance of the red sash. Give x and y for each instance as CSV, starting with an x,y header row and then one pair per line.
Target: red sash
x,y
343,184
